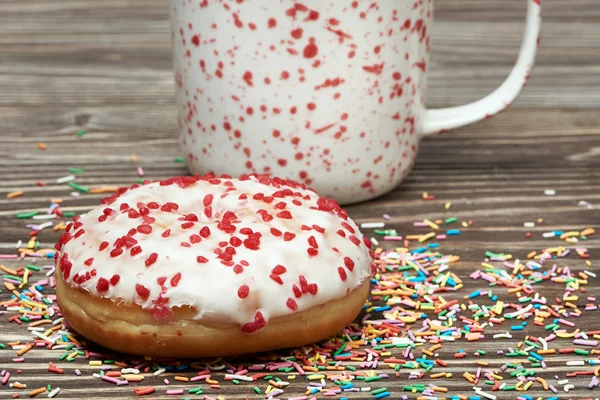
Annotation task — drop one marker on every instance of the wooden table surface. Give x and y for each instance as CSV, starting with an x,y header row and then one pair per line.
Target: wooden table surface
x,y
104,68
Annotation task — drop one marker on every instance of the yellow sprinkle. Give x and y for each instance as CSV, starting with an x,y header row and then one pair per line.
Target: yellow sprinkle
x,y
447,205
465,224
95,363
426,237
133,378
527,385
432,225
315,377
72,355
499,308
291,377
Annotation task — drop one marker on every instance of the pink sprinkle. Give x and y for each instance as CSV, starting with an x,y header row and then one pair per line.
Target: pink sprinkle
x,y
8,256
441,237
392,238
19,360
175,391
166,381
6,378
297,367
420,224
109,379
568,323
140,171
202,376
77,372
386,216
198,378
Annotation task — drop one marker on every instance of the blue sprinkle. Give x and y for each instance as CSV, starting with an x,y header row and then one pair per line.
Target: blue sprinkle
x,y
382,395
348,386
536,356
384,308
517,327
453,232
433,245
474,294
419,250
181,367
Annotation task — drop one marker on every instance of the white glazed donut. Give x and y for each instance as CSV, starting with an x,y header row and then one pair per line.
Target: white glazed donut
x,y
206,266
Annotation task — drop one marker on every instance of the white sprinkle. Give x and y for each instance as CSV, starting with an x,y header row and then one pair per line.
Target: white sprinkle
x,y
529,224
374,241
502,336
548,234
543,342
19,244
446,338
67,178
13,308
45,225
53,393
365,389
159,371
569,387
75,194
238,377
46,338
97,376
35,328
60,346
130,371
519,312
51,272
589,273
371,225
480,392
549,192
576,363
44,216
563,382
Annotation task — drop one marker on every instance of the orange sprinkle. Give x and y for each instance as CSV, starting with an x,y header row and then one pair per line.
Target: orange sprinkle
x,y
8,271
41,146
12,195
104,189
24,349
182,378
133,158
18,385
37,391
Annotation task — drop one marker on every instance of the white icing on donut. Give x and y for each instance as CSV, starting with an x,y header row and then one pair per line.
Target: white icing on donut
x,y
195,241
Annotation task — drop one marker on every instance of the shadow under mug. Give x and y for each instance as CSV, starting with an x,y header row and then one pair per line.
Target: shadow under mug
x,y
328,93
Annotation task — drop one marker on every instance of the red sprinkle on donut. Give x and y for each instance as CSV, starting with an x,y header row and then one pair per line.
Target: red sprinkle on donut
x,y
275,232
297,291
291,303
102,285
288,236
342,273
313,242
258,324
276,278
243,291
312,251
354,240
279,269
205,232
116,252
103,246
115,279
89,261
349,263
142,291
201,259
284,215
145,229
151,259
175,279
135,250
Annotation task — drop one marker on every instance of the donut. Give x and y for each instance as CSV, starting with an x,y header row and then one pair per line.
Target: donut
x,y
212,266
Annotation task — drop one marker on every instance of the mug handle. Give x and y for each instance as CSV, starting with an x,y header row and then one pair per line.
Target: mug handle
x,y
439,120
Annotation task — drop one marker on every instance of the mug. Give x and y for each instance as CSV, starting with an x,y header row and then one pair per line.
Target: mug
x,y
326,92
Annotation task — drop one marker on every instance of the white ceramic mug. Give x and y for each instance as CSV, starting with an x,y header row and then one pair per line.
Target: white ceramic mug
x,y
326,92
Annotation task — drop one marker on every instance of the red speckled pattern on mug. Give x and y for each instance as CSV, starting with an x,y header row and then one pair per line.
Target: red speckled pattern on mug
x,y
329,93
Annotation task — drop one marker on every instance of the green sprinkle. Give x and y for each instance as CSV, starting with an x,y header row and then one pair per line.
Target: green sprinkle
x,y
2,346
109,361
512,387
16,278
27,215
351,367
481,352
78,187
80,133
379,391
266,378
582,352
179,159
65,355
341,349
69,214
257,390
75,170
140,180
32,267
450,220
235,381
372,378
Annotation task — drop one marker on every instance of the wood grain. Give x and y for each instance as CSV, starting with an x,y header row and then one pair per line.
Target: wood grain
x,y
104,67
